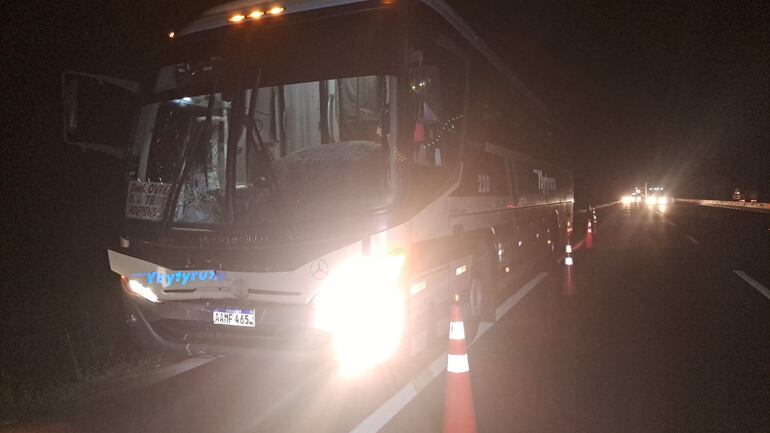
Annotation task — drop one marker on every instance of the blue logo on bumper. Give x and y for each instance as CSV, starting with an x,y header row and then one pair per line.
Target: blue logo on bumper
x,y
181,278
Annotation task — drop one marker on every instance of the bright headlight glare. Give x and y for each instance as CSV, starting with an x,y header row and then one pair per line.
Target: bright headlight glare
x,y
662,200
627,199
362,305
651,200
141,290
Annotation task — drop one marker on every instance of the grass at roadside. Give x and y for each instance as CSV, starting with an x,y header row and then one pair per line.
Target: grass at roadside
x,y
28,397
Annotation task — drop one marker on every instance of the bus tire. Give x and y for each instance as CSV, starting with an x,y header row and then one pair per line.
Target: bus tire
x,y
473,309
480,305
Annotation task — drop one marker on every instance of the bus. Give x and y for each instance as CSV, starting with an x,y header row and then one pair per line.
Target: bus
x,y
313,178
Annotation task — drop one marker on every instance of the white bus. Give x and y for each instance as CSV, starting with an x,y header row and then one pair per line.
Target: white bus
x,y
322,178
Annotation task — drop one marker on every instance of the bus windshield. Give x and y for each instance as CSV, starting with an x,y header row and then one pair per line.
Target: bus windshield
x,y
306,149
245,134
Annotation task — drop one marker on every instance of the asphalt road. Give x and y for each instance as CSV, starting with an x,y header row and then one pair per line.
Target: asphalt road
x,y
660,334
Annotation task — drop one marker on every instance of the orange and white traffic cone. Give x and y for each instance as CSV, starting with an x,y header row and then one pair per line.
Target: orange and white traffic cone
x,y
459,415
568,286
589,236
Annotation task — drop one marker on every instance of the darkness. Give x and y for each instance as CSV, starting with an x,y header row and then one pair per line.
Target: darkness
x,y
674,93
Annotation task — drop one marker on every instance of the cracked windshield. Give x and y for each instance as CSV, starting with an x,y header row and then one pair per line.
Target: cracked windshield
x,y
310,149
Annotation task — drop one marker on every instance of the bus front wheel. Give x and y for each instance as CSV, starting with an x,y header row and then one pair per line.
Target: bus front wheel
x,y
477,308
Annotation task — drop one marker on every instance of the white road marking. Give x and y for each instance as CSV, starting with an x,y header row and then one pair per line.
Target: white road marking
x,y
503,308
754,283
483,328
383,414
692,239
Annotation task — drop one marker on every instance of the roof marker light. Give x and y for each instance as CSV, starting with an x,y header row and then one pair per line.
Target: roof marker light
x,y
256,14
236,18
275,10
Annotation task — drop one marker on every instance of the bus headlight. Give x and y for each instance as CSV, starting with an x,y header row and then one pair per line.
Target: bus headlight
x,y
136,288
362,305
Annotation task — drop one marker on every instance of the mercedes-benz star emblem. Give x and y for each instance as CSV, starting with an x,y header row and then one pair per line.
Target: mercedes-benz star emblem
x,y
319,269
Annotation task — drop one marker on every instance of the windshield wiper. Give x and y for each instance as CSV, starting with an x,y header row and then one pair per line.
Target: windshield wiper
x,y
254,141
198,135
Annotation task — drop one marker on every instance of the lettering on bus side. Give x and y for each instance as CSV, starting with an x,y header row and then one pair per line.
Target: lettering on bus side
x,y
544,182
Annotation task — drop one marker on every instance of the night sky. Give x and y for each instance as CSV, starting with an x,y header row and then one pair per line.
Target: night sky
x,y
670,92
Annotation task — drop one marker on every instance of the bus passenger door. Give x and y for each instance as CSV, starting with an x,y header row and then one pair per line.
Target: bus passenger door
x,y
95,111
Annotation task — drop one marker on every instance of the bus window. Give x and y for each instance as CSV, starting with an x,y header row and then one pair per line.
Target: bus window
x,y
325,156
428,140
360,107
438,86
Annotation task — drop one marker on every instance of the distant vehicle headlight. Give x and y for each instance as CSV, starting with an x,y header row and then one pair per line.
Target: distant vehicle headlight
x,y
362,305
638,199
651,200
627,199
663,200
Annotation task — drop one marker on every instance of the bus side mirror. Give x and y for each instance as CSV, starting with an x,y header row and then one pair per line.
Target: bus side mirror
x,y
97,112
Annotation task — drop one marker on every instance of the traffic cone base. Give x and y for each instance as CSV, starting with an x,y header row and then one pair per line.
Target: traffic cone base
x,y
459,415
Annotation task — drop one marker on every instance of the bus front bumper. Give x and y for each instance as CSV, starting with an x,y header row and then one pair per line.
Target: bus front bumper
x,y
283,332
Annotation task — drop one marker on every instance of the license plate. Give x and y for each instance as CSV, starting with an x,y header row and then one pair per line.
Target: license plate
x,y
234,317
